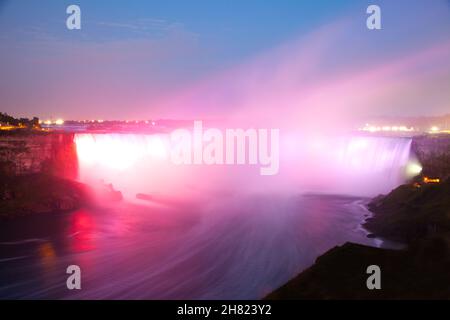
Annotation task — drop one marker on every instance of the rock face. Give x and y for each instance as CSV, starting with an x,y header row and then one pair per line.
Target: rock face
x,y
29,153
420,272
40,193
37,172
433,152
409,213
143,196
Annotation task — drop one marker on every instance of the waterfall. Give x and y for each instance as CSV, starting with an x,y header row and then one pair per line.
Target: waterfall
x,y
140,163
377,164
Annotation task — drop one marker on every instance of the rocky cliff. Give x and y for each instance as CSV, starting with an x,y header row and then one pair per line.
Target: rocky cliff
x,y
37,172
23,153
433,152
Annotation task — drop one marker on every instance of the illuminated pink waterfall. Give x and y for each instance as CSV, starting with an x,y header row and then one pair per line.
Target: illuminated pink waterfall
x,y
140,163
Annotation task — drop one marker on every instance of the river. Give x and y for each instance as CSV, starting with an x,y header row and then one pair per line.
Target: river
x,y
228,247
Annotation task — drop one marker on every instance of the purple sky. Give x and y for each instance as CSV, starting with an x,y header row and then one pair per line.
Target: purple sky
x,y
259,59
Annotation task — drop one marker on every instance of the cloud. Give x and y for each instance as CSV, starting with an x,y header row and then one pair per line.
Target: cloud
x,y
295,83
148,26
100,71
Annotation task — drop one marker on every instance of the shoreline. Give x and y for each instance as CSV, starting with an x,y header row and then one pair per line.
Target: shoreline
x,y
35,194
337,270
340,272
382,242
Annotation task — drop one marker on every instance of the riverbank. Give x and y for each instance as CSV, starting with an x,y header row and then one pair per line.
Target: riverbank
x,y
420,272
417,216
37,174
411,212
39,193
233,247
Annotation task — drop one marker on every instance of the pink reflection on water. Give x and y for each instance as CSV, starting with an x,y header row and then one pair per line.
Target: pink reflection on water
x,y
81,231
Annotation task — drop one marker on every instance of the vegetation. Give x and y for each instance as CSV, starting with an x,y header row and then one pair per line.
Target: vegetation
x,y
420,272
9,122
416,215
411,212
39,193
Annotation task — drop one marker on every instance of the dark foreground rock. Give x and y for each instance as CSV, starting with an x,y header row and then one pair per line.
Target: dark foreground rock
x,y
143,196
416,215
420,272
40,193
107,193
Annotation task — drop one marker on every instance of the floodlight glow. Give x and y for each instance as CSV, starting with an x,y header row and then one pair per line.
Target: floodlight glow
x,y
413,169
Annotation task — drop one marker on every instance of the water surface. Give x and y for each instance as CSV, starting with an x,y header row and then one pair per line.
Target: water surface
x,y
235,247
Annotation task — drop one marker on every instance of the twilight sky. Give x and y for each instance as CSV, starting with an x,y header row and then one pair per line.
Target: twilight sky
x,y
262,59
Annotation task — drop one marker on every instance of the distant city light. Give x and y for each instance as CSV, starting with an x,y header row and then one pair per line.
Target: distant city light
x,y
371,128
59,122
434,129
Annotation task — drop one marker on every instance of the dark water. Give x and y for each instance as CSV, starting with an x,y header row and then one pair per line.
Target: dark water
x,y
230,248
